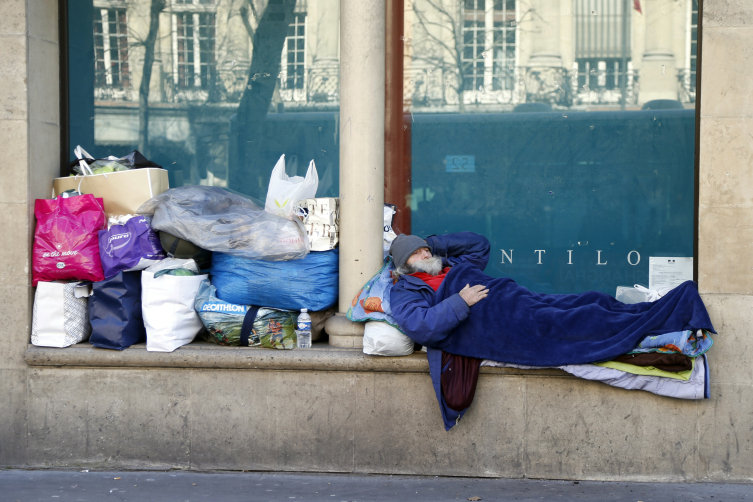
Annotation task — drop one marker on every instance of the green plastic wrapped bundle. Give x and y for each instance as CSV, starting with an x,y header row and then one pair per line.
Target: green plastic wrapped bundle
x,y
270,328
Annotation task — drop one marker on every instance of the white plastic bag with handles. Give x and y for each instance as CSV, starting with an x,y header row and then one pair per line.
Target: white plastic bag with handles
x,y
167,305
284,191
381,339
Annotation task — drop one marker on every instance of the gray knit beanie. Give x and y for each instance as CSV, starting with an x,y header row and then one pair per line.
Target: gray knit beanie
x,y
403,246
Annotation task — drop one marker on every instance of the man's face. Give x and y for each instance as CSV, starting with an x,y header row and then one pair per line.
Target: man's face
x,y
418,255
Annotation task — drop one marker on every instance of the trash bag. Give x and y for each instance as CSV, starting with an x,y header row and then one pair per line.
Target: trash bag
x,y
243,325
310,283
217,220
66,242
284,191
85,164
115,312
381,339
128,247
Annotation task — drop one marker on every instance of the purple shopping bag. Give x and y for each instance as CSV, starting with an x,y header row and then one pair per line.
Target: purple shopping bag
x,y
129,247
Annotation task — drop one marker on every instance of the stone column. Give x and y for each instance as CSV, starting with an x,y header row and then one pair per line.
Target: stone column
x,y
362,56
658,73
545,50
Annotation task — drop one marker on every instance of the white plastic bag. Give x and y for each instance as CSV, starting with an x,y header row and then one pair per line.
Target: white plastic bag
x,y
167,305
381,339
60,316
284,191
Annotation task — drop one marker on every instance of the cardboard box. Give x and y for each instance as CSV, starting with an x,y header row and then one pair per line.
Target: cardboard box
x,y
123,192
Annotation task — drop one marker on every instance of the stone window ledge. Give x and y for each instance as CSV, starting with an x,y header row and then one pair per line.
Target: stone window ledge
x,y
203,355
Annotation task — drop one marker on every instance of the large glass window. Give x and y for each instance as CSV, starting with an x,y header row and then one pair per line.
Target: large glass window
x,y
562,130
233,84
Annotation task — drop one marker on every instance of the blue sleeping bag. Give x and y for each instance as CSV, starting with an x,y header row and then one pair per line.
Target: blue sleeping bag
x,y
309,283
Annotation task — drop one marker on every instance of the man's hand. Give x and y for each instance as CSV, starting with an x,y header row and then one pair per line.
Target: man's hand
x,y
473,295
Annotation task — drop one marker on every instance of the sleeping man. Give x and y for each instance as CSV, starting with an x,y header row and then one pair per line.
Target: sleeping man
x,y
444,301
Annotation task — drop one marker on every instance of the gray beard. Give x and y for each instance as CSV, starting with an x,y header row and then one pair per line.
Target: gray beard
x,y
432,266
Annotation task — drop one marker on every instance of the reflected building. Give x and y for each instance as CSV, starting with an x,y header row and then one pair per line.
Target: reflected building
x,y
201,70
465,56
491,55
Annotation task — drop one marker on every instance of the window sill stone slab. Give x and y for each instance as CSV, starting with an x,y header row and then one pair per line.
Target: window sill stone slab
x,y
209,356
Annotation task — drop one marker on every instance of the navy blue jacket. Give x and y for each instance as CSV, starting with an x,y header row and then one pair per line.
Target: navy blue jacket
x,y
412,300
414,309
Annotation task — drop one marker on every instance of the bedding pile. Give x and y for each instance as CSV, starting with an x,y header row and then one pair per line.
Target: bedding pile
x,y
656,346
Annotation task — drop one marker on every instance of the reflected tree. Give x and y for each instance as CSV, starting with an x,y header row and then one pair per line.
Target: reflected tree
x,y
155,10
268,41
441,32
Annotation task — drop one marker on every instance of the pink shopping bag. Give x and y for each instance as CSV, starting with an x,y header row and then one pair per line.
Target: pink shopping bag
x,y
66,242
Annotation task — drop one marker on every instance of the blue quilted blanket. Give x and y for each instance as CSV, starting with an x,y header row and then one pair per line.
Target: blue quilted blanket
x,y
515,325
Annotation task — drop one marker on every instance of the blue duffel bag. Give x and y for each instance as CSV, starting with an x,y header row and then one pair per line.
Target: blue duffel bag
x,y
115,312
309,283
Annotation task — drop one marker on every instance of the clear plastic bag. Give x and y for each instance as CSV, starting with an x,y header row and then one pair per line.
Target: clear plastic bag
x,y
217,220
639,294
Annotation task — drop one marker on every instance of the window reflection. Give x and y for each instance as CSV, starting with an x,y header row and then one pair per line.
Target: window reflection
x,y
585,53
111,50
563,130
233,84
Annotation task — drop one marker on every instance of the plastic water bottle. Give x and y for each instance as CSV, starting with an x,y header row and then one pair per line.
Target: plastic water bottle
x,y
303,333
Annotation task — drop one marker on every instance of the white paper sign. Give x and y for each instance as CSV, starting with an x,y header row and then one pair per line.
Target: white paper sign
x,y
669,271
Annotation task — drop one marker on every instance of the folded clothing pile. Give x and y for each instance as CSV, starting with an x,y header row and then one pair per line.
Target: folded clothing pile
x,y
673,365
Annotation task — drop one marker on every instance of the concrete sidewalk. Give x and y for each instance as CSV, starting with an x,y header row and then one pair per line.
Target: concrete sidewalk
x,y
183,486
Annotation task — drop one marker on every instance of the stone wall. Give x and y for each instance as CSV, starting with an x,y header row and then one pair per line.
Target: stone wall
x,y
30,142
337,410
725,273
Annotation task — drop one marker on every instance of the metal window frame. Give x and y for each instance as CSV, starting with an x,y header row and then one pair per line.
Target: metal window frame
x,y
63,89
698,98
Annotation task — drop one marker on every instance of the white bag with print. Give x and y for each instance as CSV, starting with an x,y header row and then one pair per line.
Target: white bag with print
x,y
284,191
61,314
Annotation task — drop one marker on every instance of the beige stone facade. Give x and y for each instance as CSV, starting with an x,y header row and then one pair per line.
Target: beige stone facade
x,y
337,410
